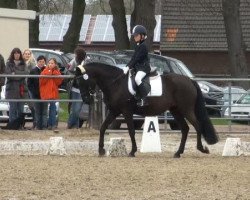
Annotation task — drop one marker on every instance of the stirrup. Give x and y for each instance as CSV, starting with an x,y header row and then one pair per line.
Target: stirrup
x,y
142,103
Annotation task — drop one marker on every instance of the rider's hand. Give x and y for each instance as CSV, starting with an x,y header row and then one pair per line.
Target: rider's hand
x,y
125,70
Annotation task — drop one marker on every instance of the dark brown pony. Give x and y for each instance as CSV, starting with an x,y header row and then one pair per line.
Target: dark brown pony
x,y
181,96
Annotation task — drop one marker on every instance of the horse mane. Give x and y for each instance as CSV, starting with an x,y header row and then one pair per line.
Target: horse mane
x,y
106,70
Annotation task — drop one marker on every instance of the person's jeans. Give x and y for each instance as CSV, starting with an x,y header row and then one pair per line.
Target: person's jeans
x,y
15,110
73,121
41,114
52,115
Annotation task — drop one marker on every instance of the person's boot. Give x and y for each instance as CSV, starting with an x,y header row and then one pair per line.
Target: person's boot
x,y
143,93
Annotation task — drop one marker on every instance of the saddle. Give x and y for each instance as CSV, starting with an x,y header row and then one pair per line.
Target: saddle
x,y
152,85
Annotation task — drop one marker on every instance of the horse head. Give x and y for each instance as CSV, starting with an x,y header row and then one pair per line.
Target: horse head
x,y
86,84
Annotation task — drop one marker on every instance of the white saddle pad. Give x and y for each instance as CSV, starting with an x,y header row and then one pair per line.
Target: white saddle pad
x,y
156,86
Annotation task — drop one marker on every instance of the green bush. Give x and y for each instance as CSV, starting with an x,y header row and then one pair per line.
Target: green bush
x,y
63,110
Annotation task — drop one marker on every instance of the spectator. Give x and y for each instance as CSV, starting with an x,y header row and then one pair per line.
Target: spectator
x,y
2,69
30,64
41,108
29,59
49,90
75,107
16,87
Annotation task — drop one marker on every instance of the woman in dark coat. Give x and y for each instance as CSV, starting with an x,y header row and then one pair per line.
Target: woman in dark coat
x,y
16,87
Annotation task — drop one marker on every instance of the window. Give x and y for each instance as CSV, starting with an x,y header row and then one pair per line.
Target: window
x,y
160,64
101,59
175,67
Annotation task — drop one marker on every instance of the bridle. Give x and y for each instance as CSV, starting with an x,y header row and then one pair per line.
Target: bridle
x,y
90,89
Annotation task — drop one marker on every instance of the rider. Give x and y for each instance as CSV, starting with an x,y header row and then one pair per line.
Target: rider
x,y
140,61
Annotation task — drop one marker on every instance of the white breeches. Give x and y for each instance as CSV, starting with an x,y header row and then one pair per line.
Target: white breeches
x,y
139,76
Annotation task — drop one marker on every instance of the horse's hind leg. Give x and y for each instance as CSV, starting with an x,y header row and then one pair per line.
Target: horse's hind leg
x,y
192,119
110,117
184,131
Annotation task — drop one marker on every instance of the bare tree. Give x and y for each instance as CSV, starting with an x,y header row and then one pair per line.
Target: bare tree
x,y
144,14
236,46
34,24
119,24
158,7
8,4
71,38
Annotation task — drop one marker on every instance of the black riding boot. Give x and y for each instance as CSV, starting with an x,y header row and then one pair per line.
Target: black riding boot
x,y
143,93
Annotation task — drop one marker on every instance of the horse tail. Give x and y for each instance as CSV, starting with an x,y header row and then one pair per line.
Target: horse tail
x,y
205,124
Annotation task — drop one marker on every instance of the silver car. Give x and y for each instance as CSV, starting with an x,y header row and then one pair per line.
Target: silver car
x,y
4,109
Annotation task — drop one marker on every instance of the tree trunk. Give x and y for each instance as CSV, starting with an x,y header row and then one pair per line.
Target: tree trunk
x,y
119,24
144,14
236,46
71,38
33,24
8,4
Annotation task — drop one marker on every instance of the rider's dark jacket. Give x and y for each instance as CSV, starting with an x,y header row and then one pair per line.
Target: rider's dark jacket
x,y
140,59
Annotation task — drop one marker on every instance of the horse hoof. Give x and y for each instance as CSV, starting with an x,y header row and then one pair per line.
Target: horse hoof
x,y
102,152
206,150
131,155
203,150
177,155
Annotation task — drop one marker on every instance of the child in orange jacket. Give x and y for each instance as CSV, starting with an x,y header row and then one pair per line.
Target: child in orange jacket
x,y
49,89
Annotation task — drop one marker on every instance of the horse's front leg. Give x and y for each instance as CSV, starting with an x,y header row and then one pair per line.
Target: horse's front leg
x,y
110,117
129,120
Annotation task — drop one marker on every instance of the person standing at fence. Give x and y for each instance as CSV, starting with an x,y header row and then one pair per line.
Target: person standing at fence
x,y
49,90
41,108
30,64
2,69
75,107
16,87
29,59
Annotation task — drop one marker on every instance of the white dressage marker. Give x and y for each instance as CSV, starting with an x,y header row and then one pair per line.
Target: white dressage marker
x,y
233,147
117,148
57,146
151,136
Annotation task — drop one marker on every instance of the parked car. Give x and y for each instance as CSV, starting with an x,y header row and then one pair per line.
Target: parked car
x,y
213,94
4,109
240,110
234,93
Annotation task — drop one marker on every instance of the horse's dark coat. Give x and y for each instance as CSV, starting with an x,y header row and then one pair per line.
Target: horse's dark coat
x,y
181,96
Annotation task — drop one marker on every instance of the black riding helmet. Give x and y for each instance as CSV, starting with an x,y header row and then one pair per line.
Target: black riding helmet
x,y
139,29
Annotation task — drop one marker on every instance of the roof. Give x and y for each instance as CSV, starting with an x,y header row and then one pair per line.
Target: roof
x,y
198,25
54,27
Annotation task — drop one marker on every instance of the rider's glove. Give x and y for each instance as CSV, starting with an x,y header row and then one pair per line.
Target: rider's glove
x,y
125,70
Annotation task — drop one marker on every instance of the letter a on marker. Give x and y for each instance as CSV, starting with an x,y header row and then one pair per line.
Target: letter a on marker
x,y
151,136
151,127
